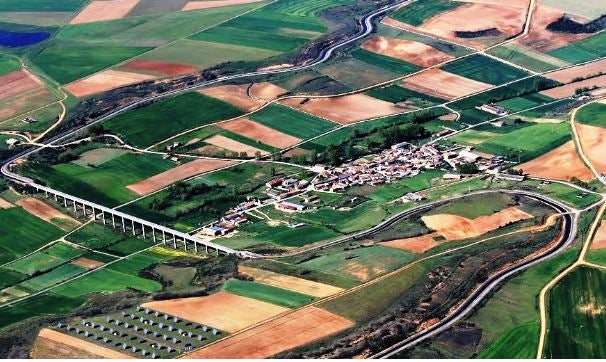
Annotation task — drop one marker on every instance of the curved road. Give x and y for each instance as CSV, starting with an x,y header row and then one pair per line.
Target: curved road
x,y
472,301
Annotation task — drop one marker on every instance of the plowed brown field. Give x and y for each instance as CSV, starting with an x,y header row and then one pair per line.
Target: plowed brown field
x,y
88,263
438,83
410,51
51,344
593,140
102,10
18,82
196,5
238,94
259,132
561,163
569,74
5,204
300,285
599,241
234,146
104,81
43,210
418,244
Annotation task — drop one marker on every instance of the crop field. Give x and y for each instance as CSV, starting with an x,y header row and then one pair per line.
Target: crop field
x,y
445,47
258,233
416,13
389,64
582,50
395,94
484,69
354,74
575,321
8,65
305,8
593,115
41,5
148,125
292,122
525,102
43,304
55,276
526,57
94,236
267,293
590,10
106,183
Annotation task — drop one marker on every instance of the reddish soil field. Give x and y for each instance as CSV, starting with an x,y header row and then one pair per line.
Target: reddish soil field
x,y
543,40
511,3
561,163
299,285
259,132
178,173
225,311
599,241
17,82
88,263
569,74
455,227
5,204
438,83
43,210
593,140
101,10
345,109
51,344
208,150
569,89
104,81
195,5
234,146
281,334
157,67
410,51
296,152
418,244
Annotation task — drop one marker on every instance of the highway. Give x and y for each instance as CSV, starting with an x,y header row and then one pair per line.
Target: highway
x,y
475,298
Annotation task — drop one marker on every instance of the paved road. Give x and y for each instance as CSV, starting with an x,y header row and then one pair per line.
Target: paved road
x,y
471,302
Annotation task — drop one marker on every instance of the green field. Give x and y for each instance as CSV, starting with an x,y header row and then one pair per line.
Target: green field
x,y
267,293
394,94
148,125
8,65
355,73
305,8
292,122
94,236
582,50
419,11
363,216
593,114
21,233
106,280
259,232
575,315
484,69
105,184
41,5
392,191
525,102
527,58
53,277
390,64
43,304
475,206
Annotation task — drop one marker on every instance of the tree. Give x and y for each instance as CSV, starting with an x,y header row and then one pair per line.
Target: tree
x,y
468,168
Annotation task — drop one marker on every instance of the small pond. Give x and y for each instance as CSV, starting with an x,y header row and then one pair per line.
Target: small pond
x,y
16,39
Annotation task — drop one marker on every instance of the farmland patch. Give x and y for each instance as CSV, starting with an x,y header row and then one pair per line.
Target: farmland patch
x,y
441,84
561,163
414,52
104,81
104,10
259,132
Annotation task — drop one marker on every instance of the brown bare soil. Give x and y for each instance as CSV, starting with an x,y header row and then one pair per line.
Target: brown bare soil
x,y
455,227
300,285
18,82
281,334
561,163
543,40
104,81
512,3
569,74
178,173
158,67
259,132
438,83
235,146
43,210
593,140
410,51
26,102
237,95
266,91
599,241
225,311
51,344
196,5
88,263
418,244
449,117
296,152
346,109
102,10
5,204
569,89
208,150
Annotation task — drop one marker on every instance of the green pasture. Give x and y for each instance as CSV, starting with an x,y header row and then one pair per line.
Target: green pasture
x,y
305,8
105,280
475,206
127,246
355,73
567,194
39,305
390,64
267,293
363,216
582,50
527,58
525,102
36,263
392,191
417,12
593,114
291,121
484,69
94,236
64,251
8,64
282,235
41,5
53,277
394,93
575,321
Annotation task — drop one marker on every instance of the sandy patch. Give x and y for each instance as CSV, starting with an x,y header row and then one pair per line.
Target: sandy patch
x,y
18,82
345,109
158,67
300,285
104,81
234,146
178,173
593,140
88,263
541,39
51,344
418,244
599,241
99,156
410,51
281,334
438,83
258,132
43,210
455,227
225,311
5,204
102,10
238,96
561,163
196,5
569,89
569,74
